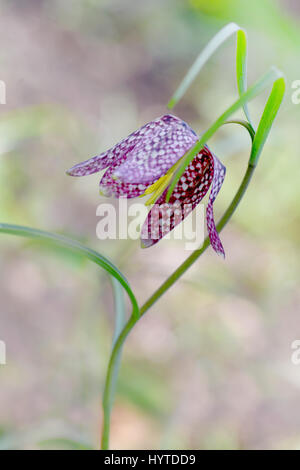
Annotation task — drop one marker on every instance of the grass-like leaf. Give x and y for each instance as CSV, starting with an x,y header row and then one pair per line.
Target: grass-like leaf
x,y
78,248
206,54
267,119
261,84
241,67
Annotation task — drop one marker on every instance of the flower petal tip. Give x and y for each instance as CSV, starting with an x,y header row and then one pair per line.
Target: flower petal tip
x,y
219,249
146,242
73,171
105,191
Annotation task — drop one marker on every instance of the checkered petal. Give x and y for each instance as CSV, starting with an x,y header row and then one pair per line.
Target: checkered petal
x,y
219,175
204,171
111,187
189,191
105,159
163,144
141,140
93,165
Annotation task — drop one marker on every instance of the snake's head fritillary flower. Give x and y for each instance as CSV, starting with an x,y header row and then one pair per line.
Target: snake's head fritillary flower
x,y
145,162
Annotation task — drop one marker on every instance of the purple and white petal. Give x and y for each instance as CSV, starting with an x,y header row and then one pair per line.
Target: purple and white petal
x,y
219,175
93,165
111,187
188,193
165,142
125,147
112,156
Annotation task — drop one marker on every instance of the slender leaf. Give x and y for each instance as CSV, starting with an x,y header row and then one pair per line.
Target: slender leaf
x,y
267,119
241,67
205,55
76,247
261,84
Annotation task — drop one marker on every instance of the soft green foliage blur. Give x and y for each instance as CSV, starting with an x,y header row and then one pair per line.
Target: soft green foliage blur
x,y
209,366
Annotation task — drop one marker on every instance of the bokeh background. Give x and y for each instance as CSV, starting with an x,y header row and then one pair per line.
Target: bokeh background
x,y
209,366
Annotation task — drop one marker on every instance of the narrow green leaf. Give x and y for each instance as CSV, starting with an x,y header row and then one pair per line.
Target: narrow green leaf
x,y
261,84
241,67
267,119
78,248
205,55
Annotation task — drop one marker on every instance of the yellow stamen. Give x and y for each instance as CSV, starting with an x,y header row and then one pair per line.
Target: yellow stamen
x,y
161,184
155,186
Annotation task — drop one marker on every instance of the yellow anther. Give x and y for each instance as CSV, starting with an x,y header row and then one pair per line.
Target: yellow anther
x,y
156,185
161,184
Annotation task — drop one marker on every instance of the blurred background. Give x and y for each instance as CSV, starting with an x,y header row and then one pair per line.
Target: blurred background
x,y
209,366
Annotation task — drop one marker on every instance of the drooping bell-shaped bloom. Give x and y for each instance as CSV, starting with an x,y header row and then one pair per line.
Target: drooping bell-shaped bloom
x,y
144,163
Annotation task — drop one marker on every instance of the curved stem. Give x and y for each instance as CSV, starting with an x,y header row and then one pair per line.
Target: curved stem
x,y
120,308
244,124
114,361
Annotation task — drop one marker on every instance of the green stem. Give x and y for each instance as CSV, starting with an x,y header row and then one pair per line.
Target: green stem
x,y
114,362
244,124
